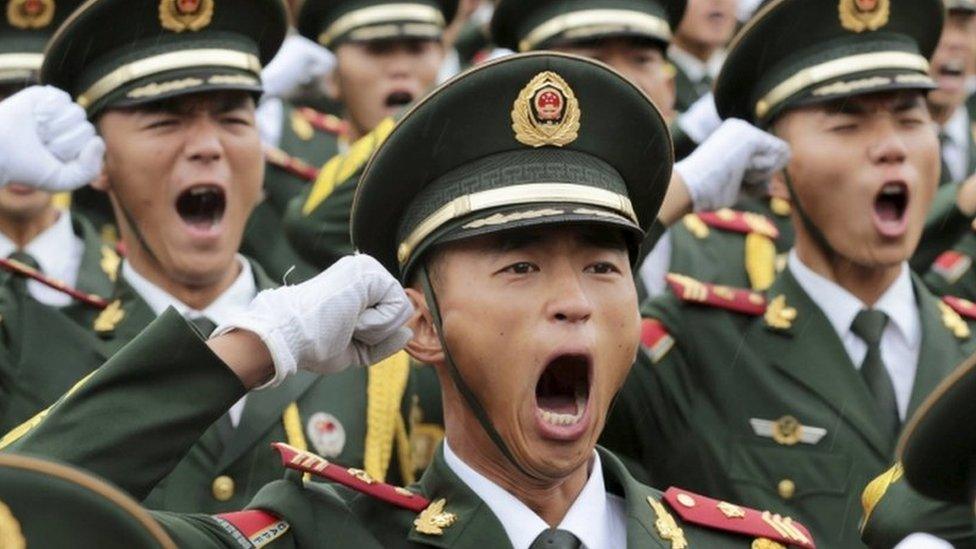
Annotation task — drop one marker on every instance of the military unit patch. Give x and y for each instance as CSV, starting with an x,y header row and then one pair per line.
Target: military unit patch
x,y
952,265
546,112
721,515
252,528
655,339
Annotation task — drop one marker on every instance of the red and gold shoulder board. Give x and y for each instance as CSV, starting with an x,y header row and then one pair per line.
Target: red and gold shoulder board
x,y
655,339
252,528
952,265
962,306
740,222
295,166
356,479
728,517
26,271
323,122
733,299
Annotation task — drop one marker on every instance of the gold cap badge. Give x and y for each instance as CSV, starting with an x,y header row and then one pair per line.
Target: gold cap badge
x,y
862,15
30,14
546,112
185,15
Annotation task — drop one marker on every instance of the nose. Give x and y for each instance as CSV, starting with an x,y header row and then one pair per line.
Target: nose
x,y
889,147
568,301
203,142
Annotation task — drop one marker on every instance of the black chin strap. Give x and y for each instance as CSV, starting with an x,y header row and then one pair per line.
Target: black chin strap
x,y
808,224
472,401
135,228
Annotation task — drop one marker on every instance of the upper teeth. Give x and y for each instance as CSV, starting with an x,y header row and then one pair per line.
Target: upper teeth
x,y
196,191
891,189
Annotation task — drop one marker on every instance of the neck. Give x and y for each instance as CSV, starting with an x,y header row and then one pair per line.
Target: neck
x,y
550,499
196,296
700,50
867,284
22,231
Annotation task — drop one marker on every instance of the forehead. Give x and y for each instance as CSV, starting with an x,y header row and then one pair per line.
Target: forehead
x,y
195,102
889,101
583,235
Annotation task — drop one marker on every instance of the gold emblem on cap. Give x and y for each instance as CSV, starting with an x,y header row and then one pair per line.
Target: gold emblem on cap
x,y
185,15
546,112
11,535
864,15
30,14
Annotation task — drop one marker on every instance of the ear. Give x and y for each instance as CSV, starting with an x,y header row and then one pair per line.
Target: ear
x,y
330,84
777,186
101,182
425,346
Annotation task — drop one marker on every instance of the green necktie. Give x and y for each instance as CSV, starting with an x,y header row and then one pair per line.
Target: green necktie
x,y
204,325
556,539
19,281
704,85
869,325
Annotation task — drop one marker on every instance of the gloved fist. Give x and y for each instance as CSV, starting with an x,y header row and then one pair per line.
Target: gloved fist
x,y
737,152
352,314
298,62
701,119
48,142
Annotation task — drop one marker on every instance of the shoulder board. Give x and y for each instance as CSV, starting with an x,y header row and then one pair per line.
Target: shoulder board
x,y
952,265
962,306
252,528
295,166
740,222
323,122
655,339
723,297
727,517
26,271
355,479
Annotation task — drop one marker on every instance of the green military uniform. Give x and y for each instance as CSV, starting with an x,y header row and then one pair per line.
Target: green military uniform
x,y
47,504
361,417
605,185
317,223
752,395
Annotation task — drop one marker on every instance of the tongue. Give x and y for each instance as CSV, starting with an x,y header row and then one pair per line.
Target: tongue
x,y
557,404
887,210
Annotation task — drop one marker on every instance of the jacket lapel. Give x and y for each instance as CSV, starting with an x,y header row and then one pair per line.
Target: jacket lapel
x,y
941,351
476,526
641,531
92,275
262,410
136,316
819,362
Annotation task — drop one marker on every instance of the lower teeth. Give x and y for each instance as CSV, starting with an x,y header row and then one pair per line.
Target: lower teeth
x,y
554,418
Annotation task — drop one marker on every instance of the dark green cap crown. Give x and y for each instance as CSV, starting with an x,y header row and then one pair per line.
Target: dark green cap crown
x,y
521,25
47,504
527,140
331,22
126,52
27,26
796,52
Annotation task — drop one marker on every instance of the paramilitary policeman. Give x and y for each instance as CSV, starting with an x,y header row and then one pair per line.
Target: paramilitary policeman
x,y
184,168
792,399
699,47
388,54
543,214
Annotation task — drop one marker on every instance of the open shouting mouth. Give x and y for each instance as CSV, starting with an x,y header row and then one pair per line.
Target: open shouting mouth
x,y
202,207
562,396
890,208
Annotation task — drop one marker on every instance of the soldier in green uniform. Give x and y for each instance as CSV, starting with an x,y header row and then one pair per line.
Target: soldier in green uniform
x,y
544,215
699,47
791,399
183,168
388,54
936,459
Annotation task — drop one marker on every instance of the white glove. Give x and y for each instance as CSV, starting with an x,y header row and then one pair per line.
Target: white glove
x,y
923,541
298,62
737,152
352,314
701,119
47,141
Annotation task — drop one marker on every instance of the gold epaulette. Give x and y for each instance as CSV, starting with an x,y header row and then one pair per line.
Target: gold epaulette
x,y
733,299
876,489
295,166
736,221
323,122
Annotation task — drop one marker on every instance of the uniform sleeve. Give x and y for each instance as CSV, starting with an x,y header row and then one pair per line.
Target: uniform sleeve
x,y
136,417
945,225
321,236
901,511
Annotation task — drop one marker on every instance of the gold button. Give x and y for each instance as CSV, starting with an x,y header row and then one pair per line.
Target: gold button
x,y
686,500
223,488
786,488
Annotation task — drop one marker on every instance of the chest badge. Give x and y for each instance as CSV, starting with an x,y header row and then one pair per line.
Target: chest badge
x,y
327,434
787,431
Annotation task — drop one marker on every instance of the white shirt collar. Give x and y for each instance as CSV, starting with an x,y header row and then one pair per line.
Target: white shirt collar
x,y
957,126
694,67
233,301
48,248
596,517
840,306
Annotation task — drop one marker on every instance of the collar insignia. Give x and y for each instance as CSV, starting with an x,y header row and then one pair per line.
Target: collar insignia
x,y
109,318
433,520
778,315
864,15
30,14
546,112
666,526
10,534
185,15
